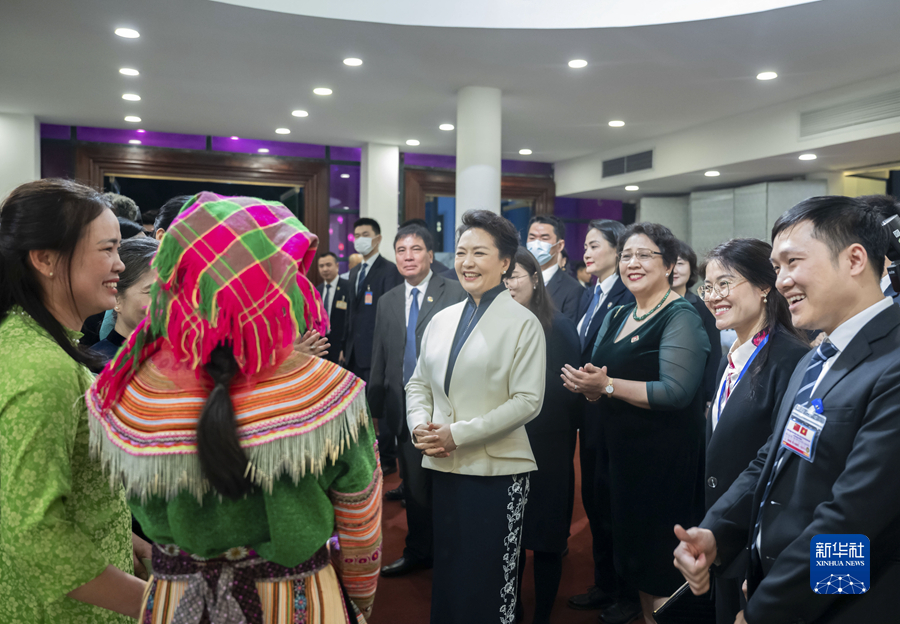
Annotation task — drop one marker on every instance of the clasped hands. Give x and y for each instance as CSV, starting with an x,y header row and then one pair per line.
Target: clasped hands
x,y
434,440
312,343
587,380
694,555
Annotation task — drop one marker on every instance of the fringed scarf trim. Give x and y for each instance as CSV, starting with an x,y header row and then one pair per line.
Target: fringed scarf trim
x,y
293,423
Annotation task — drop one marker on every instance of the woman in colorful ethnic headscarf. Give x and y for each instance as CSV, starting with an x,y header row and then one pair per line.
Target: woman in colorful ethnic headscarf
x,y
241,458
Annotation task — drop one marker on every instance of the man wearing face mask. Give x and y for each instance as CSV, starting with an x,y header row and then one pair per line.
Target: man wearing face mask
x,y
373,277
546,239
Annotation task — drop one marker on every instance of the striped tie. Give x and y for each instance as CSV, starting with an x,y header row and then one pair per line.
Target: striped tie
x,y
825,351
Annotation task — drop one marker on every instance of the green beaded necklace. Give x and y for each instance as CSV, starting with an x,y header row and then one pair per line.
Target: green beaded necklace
x,y
658,306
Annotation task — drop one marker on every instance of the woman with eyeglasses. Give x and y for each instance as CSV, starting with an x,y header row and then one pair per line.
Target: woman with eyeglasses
x,y
686,276
648,366
739,289
546,528
479,378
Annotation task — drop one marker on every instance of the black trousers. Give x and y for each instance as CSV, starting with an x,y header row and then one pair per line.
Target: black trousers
x,y
387,443
595,497
477,544
417,492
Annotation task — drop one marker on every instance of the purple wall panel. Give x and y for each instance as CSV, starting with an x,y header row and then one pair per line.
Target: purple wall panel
x,y
429,160
276,148
346,153
576,212
526,166
53,131
146,137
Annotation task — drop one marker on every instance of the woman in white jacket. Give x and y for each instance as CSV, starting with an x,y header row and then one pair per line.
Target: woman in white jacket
x,y
479,379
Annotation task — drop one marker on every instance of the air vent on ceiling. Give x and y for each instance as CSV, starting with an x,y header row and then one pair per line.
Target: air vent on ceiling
x,y
627,164
864,110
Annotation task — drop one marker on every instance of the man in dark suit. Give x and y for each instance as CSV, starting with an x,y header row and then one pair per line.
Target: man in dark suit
x,y
618,604
402,316
546,239
369,280
836,473
888,207
335,297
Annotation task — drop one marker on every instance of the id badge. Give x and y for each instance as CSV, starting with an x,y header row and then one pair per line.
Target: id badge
x,y
369,297
801,433
340,305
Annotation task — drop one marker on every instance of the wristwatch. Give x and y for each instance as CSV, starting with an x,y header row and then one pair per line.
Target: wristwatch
x,y
609,387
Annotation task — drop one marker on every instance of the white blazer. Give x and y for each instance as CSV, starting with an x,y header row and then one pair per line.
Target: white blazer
x,y
497,386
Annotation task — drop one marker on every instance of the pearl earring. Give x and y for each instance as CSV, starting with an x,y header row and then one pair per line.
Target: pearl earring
x,y
51,273
765,298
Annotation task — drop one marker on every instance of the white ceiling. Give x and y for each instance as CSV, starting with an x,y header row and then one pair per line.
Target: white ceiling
x,y
212,68
519,13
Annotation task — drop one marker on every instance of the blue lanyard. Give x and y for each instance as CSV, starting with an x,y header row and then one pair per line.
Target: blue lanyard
x,y
743,370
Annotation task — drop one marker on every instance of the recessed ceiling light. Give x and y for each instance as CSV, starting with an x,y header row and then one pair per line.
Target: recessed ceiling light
x,y
578,63
345,175
525,152
712,174
346,207
616,123
234,138
128,33
133,119
322,91
131,97
299,113
263,150
353,62
767,76
412,142
127,71
142,131
632,187
447,127
134,142
282,131
808,156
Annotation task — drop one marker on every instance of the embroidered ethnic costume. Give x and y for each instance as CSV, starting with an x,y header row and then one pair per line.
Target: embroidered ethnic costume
x,y
232,271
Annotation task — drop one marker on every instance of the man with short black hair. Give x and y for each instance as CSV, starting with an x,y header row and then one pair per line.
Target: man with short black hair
x,y
546,239
402,316
888,207
369,281
335,297
831,464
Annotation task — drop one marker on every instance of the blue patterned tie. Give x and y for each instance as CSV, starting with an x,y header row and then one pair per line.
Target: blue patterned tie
x,y
825,351
589,315
362,278
409,353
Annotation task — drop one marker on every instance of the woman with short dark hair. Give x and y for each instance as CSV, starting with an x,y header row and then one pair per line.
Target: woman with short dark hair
x,y
739,289
66,548
546,528
647,366
479,379
133,296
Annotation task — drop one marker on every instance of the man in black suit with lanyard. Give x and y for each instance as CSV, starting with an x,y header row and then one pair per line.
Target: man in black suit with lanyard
x,y
546,239
335,297
831,464
402,316
618,604
369,280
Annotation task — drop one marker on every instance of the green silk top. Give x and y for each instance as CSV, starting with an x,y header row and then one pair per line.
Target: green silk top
x,y
60,523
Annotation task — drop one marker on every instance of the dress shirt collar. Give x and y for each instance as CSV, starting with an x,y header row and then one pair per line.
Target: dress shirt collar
x,y
739,354
549,273
607,284
333,283
847,330
422,286
885,282
371,261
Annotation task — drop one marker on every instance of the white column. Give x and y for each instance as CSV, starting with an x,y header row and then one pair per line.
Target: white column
x,y
478,118
20,151
379,191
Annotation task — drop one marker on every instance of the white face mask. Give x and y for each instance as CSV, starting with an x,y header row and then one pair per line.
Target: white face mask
x,y
363,245
540,250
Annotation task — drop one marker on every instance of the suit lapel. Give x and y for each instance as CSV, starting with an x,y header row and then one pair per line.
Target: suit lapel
x,y
554,283
430,301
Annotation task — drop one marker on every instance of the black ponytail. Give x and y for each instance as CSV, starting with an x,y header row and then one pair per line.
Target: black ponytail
x,y
218,448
